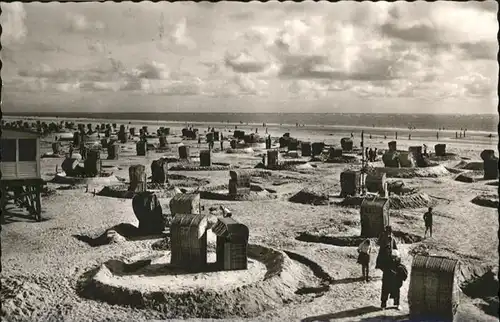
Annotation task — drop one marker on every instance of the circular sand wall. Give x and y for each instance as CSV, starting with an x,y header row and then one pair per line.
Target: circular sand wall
x,y
147,281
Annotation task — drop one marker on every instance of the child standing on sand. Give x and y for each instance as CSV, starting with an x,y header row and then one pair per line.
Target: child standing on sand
x,y
364,251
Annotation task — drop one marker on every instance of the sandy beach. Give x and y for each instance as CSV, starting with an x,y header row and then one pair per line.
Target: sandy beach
x,y
43,263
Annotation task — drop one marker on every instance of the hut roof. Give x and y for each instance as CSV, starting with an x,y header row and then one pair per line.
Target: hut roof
x,y
200,222
434,263
228,227
368,201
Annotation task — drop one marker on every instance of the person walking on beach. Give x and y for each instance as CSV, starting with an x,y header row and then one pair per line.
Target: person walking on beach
x,y
364,251
387,245
428,222
392,280
352,135
456,135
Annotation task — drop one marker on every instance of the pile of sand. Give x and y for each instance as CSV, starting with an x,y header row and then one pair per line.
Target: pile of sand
x,y
446,157
418,200
468,165
486,200
196,167
343,159
148,281
467,177
240,151
429,172
251,196
62,178
310,196
116,191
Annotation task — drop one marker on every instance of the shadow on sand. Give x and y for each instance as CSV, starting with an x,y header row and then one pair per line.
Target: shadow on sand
x,y
15,214
128,231
355,313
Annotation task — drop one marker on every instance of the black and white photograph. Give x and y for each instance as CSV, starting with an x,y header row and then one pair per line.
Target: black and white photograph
x,y
249,161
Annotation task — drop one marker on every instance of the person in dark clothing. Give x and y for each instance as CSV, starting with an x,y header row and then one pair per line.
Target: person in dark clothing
x,y
375,155
392,280
367,155
387,244
71,150
428,222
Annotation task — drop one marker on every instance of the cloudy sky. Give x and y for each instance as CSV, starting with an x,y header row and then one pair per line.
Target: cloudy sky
x,y
421,57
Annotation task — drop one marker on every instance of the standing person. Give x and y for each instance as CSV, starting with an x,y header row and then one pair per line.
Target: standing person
x,y
375,155
387,244
364,251
352,135
370,154
366,154
71,150
428,222
392,280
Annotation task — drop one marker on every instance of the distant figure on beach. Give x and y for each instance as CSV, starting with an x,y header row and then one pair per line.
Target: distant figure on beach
x,y
425,150
221,144
409,136
256,130
396,135
352,135
266,130
437,135
364,251
367,155
70,151
375,155
199,141
370,155
456,135
460,134
385,136
370,136
428,222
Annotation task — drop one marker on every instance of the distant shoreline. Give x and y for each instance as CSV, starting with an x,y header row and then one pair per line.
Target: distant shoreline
x,y
479,123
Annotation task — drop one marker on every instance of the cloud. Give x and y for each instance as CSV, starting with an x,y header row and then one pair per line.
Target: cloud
x,y
244,63
153,70
177,38
443,24
80,23
13,19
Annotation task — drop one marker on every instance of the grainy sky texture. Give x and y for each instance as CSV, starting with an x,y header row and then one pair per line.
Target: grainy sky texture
x,y
381,57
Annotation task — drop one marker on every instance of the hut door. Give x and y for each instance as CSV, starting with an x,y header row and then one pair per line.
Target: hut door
x,y
227,256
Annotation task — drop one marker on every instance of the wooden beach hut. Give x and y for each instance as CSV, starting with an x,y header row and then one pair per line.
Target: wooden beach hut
x,y
374,214
205,158
141,148
377,183
350,183
306,149
407,159
440,150
433,294
189,242
317,148
272,158
159,171
184,152
239,182
347,144
185,204
148,211
392,146
391,159
232,244
21,180
137,176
